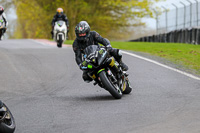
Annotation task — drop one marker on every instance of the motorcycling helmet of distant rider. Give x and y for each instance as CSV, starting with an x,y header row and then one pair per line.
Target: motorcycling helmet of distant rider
x,y
82,31
60,12
1,10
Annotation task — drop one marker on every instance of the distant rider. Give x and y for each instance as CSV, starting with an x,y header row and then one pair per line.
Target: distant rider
x,y
3,17
60,16
84,38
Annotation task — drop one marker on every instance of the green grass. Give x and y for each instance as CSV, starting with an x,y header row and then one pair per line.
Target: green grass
x,y
186,55
69,42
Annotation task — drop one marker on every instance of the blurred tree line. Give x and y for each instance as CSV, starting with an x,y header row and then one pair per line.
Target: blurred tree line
x,y
113,19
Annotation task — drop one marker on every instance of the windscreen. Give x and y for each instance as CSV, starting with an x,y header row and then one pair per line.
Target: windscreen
x,y
91,49
60,23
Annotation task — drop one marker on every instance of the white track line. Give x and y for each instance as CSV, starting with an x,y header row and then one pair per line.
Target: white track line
x,y
162,65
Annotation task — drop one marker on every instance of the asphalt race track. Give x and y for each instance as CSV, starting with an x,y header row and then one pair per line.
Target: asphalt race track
x,y
43,87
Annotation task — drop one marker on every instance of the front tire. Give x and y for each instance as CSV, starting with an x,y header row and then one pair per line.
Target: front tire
x,y
116,93
60,41
1,34
8,124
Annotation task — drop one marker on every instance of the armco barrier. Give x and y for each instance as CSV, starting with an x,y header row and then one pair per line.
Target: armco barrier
x,y
191,36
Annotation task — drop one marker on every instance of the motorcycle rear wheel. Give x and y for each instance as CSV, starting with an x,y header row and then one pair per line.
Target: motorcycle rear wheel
x,y
116,93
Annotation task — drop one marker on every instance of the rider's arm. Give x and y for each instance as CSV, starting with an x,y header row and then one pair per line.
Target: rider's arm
x,y
66,21
100,39
5,20
77,51
54,20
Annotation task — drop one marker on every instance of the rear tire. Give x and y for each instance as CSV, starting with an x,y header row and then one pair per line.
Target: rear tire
x,y
117,94
8,125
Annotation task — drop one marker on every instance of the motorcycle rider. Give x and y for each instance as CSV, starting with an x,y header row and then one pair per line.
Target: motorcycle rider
x,y
3,17
84,38
60,16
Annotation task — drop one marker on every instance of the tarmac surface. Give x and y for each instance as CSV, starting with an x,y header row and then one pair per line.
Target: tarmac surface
x,y
43,87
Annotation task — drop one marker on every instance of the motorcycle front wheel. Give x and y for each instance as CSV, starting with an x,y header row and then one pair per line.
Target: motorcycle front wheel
x,y
59,43
1,34
114,91
7,125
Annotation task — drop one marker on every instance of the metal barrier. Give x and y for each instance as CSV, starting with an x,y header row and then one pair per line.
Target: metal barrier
x,y
191,36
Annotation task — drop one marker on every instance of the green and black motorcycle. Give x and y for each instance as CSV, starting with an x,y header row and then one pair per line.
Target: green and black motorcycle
x,y
105,71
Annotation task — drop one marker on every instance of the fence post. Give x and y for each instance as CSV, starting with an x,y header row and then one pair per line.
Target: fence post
x,y
176,15
184,13
197,37
197,11
156,21
190,12
166,18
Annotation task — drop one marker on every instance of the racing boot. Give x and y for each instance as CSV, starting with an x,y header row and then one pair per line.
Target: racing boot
x,y
52,34
67,35
118,57
124,66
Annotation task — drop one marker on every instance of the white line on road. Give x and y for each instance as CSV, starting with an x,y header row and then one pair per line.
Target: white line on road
x,y
162,65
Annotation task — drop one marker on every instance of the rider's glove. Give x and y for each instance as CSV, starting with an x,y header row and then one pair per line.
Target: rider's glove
x,y
108,48
83,66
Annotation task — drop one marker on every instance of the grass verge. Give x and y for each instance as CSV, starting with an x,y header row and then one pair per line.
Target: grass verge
x,y
186,55
69,42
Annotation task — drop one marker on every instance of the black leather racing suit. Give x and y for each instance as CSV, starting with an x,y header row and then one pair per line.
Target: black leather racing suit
x,y
93,39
